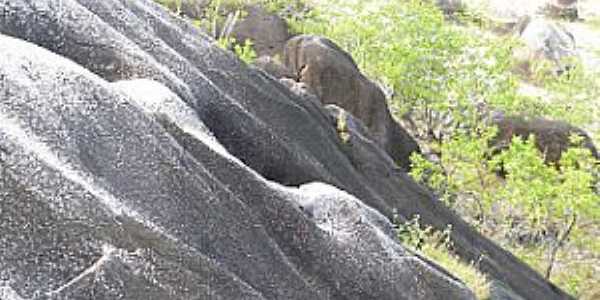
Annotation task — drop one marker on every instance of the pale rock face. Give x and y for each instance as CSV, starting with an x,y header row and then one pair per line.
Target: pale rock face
x,y
549,40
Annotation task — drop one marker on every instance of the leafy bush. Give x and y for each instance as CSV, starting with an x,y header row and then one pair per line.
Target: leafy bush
x,y
244,51
431,67
445,78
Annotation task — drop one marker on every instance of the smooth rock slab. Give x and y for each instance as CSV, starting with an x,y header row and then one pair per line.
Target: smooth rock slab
x,y
223,219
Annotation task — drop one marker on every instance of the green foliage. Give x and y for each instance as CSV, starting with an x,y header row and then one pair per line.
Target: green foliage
x,y
342,127
438,70
576,276
464,172
572,96
549,194
533,199
244,51
407,45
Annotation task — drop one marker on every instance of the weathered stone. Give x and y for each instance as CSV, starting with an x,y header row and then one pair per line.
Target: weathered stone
x,y
143,202
334,77
552,138
274,67
566,9
104,196
549,40
267,31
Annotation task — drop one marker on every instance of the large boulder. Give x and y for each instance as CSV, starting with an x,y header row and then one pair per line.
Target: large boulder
x,y
552,138
125,194
544,42
267,31
106,196
335,78
549,40
274,67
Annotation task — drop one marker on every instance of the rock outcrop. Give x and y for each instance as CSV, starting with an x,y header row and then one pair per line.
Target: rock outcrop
x,y
548,40
267,31
335,78
197,182
274,67
128,195
552,138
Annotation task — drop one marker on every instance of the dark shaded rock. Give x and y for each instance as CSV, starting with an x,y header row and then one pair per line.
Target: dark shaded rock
x,y
359,146
552,138
267,31
450,7
128,196
274,67
334,77
115,176
499,291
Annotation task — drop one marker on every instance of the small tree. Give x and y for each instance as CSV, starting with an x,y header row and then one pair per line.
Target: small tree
x,y
551,197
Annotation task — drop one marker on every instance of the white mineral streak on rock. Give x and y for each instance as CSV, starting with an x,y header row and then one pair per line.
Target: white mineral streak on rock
x,y
107,252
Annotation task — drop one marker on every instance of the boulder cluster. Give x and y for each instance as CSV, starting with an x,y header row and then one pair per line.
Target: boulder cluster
x,y
138,160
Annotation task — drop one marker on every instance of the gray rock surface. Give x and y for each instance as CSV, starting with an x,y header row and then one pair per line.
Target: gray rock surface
x,y
267,31
128,196
546,39
273,67
335,78
106,195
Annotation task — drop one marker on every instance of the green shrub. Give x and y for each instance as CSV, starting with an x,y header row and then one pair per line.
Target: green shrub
x,y
244,51
441,74
438,70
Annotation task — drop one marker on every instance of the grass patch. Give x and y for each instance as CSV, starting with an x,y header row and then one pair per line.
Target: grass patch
x,y
439,69
468,273
576,276
437,246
